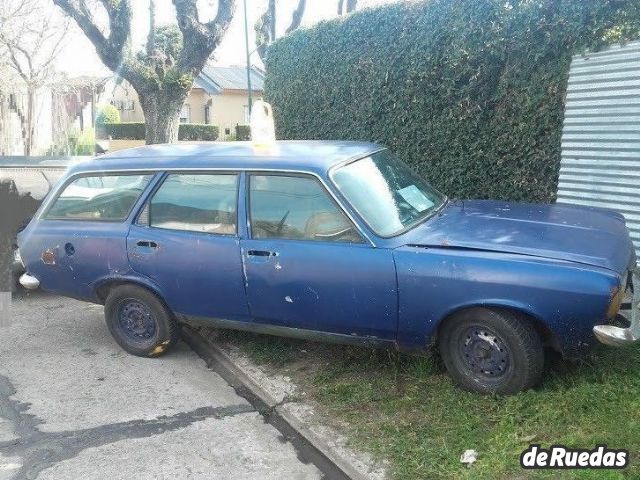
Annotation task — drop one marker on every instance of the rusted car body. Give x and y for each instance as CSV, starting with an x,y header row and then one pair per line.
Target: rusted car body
x,y
331,240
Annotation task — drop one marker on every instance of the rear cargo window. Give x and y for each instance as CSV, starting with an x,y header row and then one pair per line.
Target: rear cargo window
x,y
196,203
104,197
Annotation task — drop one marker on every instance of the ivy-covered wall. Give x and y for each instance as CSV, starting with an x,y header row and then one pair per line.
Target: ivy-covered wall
x,y
468,92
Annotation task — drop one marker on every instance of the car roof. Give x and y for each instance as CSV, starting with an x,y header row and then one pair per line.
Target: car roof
x,y
315,156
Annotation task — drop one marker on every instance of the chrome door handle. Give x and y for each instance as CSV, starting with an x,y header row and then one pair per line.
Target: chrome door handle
x,y
261,253
147,243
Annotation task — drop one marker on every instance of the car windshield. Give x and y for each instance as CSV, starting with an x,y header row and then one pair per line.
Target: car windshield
x,y
388,195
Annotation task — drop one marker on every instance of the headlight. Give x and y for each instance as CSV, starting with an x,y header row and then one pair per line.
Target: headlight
x,y
617,297
616,303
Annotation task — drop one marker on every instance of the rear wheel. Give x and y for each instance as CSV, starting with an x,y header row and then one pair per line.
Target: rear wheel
x,y
139,321
491,351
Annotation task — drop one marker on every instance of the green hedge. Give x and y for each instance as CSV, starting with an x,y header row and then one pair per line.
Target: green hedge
x,y
243,132
107,114
197,131
121,131
135,131
469,92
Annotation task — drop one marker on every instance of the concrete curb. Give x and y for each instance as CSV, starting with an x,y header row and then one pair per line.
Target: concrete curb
x,y
240,380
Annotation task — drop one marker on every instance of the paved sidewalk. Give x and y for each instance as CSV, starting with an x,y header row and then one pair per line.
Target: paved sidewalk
x,y
74,405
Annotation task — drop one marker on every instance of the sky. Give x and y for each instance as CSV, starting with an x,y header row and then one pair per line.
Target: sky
x,y
79,57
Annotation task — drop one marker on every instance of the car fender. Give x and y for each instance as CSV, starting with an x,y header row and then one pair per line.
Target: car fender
x,y
562,297
107,281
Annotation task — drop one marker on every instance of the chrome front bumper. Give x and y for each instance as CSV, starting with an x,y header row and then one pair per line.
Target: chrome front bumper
x,y
29,282
618,336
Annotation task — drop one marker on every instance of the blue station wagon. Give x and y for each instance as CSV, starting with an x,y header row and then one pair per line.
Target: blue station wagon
x,y
330,240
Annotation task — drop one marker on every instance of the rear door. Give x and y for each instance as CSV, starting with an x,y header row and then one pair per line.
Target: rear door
x,y
307,265
186,241
81,237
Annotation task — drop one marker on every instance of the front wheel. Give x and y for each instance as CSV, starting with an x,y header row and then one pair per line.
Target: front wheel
x,y
139,321
491,351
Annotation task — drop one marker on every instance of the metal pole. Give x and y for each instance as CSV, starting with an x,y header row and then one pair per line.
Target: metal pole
x,y
272,6
246,42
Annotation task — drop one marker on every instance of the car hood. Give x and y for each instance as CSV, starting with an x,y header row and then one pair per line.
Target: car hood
x,y
587,235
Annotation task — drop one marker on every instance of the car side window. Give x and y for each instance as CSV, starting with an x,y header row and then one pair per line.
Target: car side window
x,y
197,203
296,208
99,197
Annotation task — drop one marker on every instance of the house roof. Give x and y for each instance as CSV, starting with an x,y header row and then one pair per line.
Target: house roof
x,y
305,156
216,78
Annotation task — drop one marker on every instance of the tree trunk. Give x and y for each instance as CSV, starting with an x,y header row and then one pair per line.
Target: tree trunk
x,y
15,104
28,140
4,125
161,116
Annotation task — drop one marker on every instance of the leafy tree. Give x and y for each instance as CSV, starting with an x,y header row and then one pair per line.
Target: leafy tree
x,y
107,114
164,80
163,46
168,40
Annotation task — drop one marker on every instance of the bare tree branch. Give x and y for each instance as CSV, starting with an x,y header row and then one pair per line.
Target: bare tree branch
x,y
272,14
350,6
151,37
17,65
265,30
200,39
296,19
112,48
20,62
226,9
83,18
265,26
30,40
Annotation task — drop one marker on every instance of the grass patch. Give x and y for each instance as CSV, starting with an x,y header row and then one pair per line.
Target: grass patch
x,y
407,410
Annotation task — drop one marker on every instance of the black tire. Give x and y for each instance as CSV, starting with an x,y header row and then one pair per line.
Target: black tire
x,y
139,321
491,351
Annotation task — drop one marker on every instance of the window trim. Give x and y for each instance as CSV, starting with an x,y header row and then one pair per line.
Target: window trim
x,y
162,171
166,175
279,173
116,173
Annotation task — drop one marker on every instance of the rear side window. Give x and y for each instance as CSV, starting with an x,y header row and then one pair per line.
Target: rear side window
x,y
104,197
196,203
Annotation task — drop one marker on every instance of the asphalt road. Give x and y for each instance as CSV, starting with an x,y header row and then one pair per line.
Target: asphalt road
x,y
74,405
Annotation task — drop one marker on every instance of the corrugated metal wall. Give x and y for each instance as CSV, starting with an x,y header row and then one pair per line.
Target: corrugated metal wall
x,y
601,136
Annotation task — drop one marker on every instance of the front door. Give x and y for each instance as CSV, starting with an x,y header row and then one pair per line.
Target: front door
x,y
186,242
308,267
